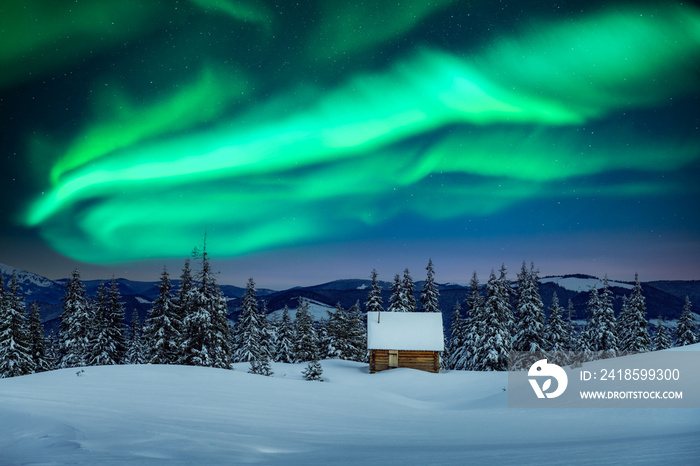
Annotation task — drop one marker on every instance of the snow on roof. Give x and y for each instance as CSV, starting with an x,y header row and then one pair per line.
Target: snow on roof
x,y
411,331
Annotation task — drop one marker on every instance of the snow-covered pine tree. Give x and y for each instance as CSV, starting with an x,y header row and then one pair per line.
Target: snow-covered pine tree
x,y
268,333
115,321
663,337
262,365
586,340
15,343
162,330
135,347
430,295
374,299
395,300
506,291
685,330
37,338
456,359
305,337
529,325
52,350
198,328
100,347
601,331
494,341
357,334
75,323
408,297
336,341
637,333
574,340
313,371
285,339
215,300
247,330
325,345
557,331
183,307
473,325
623,322
206,339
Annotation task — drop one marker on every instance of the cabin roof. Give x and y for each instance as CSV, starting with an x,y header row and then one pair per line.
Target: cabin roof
x,y
409,331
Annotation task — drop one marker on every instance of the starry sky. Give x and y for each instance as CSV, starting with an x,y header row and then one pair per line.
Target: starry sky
x,y
316,140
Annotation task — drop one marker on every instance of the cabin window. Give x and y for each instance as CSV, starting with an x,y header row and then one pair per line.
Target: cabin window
x,y
393,358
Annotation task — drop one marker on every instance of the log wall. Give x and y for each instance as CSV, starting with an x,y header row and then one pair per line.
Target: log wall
x,y
424,360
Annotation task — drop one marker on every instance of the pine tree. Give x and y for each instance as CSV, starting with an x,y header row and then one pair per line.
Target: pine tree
x,y
374,299
223,349
637,334
601,334
198,328
357,334
337,334
457,359
268,333
100,347
206,338
473,326
685,330
115,322
494,341
557,332
505,290
135,347
261,365
586,342
184,306
395,300
285,339
53,354
407,296
574,340
623,324
530,325
15,345
430,295
326,347
162,332
313,371
663,338
247,330
41,360
306,339
75,323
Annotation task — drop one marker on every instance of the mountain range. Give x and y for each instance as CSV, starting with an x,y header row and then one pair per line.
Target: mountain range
x,y
664,298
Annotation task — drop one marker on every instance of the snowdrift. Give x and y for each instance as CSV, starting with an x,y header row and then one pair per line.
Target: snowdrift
x,y
152,414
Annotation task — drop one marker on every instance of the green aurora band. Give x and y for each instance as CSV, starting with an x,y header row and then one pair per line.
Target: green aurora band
x,y
347,159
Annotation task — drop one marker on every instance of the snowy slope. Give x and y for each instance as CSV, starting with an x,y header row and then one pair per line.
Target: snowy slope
x,y
318,310
583,284
190,415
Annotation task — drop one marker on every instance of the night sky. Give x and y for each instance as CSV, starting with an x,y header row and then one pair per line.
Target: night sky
x,y
316,140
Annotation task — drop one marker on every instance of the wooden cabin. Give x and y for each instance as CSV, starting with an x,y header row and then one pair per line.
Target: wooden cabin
x,y
404,339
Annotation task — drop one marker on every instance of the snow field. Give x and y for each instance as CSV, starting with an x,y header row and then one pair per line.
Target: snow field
x,y
152,414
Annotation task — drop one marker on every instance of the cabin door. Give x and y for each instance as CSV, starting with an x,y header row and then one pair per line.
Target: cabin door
x,y
393,358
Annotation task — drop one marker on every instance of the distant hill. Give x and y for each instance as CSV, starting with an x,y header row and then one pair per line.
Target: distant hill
x,y
663,298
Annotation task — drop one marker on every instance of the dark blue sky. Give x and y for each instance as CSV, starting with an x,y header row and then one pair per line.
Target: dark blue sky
x,y
320,140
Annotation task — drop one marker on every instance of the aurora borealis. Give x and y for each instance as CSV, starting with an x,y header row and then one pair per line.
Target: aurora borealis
x,y
344,136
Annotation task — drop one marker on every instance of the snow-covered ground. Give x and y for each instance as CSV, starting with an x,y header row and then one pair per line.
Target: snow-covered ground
x,y
191,415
